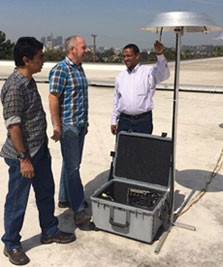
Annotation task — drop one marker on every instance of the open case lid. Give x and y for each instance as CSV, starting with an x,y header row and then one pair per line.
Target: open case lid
x,y
143,157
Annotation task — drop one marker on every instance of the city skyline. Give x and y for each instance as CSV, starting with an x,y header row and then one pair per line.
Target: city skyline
x,y
50,41
114,22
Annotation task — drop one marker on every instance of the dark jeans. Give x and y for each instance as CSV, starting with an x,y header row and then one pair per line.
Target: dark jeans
x,y
141,125
71,188
18,193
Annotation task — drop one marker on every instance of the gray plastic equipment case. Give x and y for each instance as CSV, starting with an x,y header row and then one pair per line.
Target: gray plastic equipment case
x,y
142,162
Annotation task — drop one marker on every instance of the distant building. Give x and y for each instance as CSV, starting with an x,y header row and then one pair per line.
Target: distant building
x,y
117,51
49,45
43,40
59,41
49,42
48,39
101,49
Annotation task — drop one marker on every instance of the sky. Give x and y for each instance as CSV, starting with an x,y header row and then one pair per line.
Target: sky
x,y
115,22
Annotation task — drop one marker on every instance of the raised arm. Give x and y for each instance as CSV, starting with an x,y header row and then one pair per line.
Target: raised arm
x,y
161,71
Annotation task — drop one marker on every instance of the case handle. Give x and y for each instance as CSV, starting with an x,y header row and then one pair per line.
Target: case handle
x,y
121,225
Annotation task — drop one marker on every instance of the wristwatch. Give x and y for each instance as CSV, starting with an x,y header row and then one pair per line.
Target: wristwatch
x,y
22,155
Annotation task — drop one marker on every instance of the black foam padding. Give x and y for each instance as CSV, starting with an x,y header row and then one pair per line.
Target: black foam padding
x,y
143,158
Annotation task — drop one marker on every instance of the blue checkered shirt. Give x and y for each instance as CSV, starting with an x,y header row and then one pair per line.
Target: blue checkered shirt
x,y
69,81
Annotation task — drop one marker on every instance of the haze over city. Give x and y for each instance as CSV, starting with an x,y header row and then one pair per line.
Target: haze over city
x,y
114,22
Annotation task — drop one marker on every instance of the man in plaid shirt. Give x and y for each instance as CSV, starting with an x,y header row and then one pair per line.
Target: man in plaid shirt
x,y
68,101
26,153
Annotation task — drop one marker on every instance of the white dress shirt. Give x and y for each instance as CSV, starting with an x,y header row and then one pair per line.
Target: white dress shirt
x,y
134,89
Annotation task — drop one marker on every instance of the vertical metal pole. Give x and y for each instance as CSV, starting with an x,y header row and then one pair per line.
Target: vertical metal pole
x,y
174,127
94,47
174,122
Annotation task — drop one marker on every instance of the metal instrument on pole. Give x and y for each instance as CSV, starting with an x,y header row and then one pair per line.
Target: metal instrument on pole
x,y
180,23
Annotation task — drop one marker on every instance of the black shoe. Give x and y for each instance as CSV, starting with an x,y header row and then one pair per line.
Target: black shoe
x,y
16,256
86,204
59,237
81,217
90,226
63,205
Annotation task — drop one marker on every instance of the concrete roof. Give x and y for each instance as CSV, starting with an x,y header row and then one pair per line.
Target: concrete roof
x,y
198,159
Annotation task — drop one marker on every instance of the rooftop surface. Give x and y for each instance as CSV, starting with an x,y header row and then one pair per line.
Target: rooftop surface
x,y
199,159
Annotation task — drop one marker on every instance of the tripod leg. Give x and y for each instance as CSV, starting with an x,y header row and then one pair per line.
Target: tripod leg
x,y
185,226
162,240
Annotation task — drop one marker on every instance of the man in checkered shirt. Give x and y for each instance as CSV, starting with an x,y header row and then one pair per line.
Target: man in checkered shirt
x,y
26,153
68,101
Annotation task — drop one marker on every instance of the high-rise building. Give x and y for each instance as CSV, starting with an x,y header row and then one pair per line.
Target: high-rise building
x,y
50,42
49,39
43,40
59,41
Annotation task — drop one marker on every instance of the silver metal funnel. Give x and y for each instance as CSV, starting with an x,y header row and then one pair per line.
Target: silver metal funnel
x,y
186,21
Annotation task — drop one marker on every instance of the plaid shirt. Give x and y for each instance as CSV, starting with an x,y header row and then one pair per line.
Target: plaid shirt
x,y
69,81
22,104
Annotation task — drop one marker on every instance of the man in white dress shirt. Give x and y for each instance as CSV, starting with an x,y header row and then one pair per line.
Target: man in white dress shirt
x,y
134,90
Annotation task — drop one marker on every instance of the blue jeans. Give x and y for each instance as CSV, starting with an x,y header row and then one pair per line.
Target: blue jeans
x,y
142,125
18,193
71,188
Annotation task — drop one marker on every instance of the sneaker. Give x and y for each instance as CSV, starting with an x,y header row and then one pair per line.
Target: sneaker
x,y
16,256
59,237
81,217
63,204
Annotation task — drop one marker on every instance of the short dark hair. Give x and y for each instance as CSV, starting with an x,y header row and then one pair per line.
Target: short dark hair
x,y
26,47
133,47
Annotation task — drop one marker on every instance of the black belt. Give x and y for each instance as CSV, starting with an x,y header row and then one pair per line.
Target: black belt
x,y
135,117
